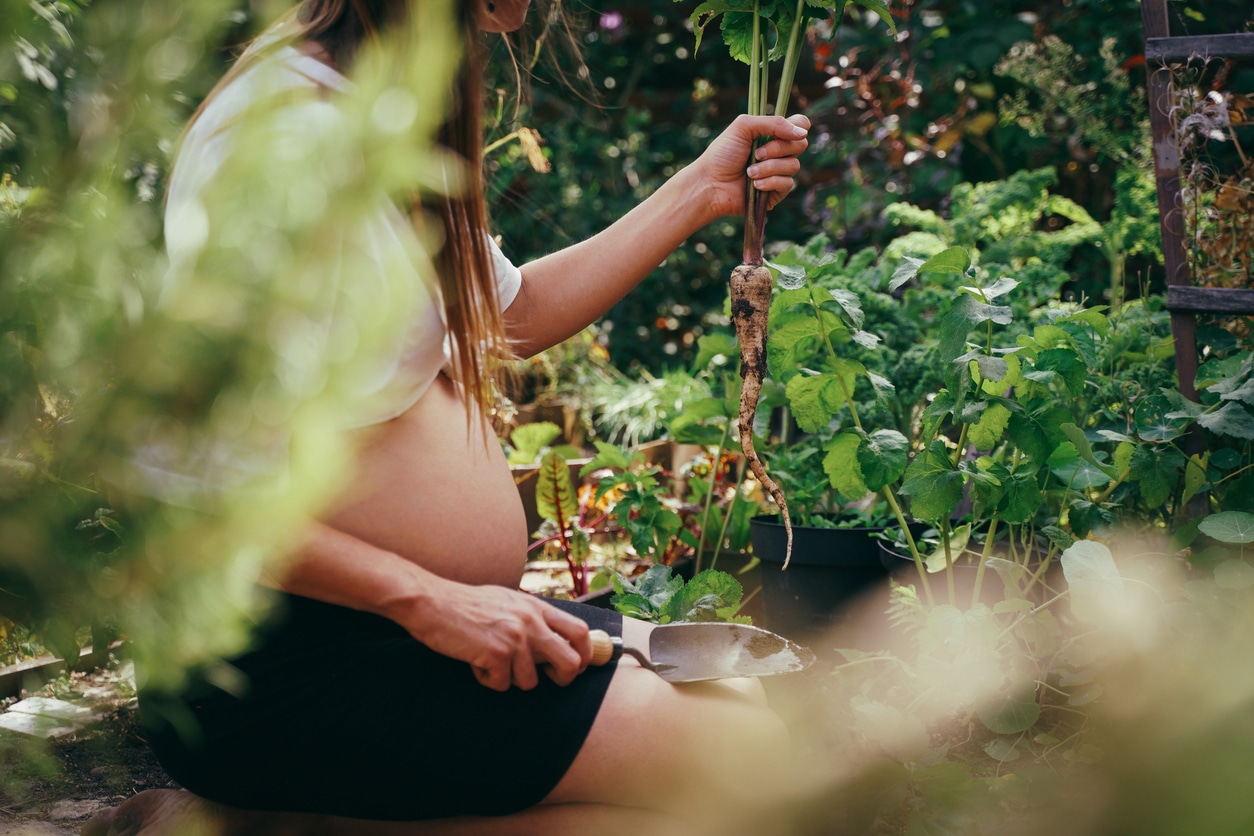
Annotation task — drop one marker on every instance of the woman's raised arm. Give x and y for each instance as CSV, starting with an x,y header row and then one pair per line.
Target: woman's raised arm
x,y
564,292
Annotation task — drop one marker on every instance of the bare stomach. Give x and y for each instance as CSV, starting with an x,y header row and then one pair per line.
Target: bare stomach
x,y
437,495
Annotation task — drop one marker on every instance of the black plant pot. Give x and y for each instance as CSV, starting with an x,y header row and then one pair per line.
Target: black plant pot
x,y
811,601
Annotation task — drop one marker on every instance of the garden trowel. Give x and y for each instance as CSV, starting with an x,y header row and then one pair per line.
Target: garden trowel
x,y
691,652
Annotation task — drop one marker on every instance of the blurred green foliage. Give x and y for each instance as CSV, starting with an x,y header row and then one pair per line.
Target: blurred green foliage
x,y
235,362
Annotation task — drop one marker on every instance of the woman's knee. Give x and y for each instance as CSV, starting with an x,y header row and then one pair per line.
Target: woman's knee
x,y
658,743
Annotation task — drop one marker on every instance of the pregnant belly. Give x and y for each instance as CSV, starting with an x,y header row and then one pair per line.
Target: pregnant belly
x,y
435,492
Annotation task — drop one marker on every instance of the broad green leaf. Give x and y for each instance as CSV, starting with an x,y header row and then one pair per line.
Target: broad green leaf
x,y
1073,471
1058,537
608,455
1021,498
959,537
1229,527
933,484
1155,470
1152,423
848,302
1094,317
1085,450
1010,713
865,339
1194,476
529,440
645,597
710,596
984,366
905,271
1085,517
789,298
986,433
1001,750
1234,574
1093,580
1232,420
840,463
1244,392
1001,287
1226,459
1067,364
965,314
692,432
1050,337
882,458
713,346
1123,456
555,492
1233,373
1013,377
1181,408
791,276
880,7
954,261
815,400
1082,340
1038,431
882,385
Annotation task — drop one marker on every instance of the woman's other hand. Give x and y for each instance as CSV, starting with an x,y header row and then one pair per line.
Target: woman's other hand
x,y
726,161
504,635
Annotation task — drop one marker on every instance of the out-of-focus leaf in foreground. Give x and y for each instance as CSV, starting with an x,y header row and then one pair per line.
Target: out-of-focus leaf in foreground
x,y
107,351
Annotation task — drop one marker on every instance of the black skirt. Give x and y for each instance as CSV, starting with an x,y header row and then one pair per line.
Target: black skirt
x,y
345,714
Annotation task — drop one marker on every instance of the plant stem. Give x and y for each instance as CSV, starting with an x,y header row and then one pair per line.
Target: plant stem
x,y
949,561
731,510
979,571
914,548
709,497
754,236
791,59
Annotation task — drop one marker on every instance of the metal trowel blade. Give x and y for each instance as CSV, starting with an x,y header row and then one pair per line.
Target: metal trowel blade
x,y
692,652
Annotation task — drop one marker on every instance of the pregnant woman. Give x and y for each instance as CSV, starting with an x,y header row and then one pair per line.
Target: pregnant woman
x,y
455,703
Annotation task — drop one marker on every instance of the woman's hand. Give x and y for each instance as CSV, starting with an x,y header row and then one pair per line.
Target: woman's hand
x,y
504,635
723,165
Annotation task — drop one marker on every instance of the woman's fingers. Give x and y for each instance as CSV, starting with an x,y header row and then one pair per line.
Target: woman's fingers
x,y
776,160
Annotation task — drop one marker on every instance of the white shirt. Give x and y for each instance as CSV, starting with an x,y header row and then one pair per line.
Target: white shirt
x,y
381,265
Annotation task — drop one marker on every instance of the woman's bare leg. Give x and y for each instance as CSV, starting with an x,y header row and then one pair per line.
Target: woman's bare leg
x,y
660,758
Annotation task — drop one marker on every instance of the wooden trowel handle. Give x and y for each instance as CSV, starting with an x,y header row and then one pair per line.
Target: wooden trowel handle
x,y
605,648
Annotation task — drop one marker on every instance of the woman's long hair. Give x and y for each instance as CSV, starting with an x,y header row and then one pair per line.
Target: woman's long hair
x,y
464,264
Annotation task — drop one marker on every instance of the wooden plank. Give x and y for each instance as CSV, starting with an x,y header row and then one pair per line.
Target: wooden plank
x,y
1160,50
1221,300
1170,202
1154,19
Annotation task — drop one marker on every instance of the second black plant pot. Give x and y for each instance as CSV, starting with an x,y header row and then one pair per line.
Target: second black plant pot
x,y
812,601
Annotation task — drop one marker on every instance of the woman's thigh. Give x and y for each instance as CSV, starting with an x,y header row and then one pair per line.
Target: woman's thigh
x,y
697,750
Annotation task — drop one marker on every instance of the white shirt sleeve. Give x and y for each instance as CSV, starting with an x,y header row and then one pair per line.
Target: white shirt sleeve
x,y
508,277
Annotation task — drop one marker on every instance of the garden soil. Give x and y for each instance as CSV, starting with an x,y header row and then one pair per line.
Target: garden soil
x,y
50,788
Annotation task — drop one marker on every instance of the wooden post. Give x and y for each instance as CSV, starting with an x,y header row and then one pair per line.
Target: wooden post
x,y
1170,203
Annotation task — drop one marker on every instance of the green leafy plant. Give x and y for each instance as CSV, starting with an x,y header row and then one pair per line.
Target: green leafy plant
x,y
528,443
662,597
628,500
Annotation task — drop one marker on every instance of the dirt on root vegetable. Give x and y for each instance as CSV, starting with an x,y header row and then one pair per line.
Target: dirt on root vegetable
x,y
750,304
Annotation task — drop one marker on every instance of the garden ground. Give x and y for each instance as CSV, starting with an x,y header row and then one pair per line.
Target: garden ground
x,y
72,776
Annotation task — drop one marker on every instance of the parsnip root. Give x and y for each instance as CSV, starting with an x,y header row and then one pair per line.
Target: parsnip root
x,y
750,305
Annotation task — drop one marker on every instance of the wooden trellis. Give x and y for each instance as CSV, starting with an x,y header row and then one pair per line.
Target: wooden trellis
x,y
1184,301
